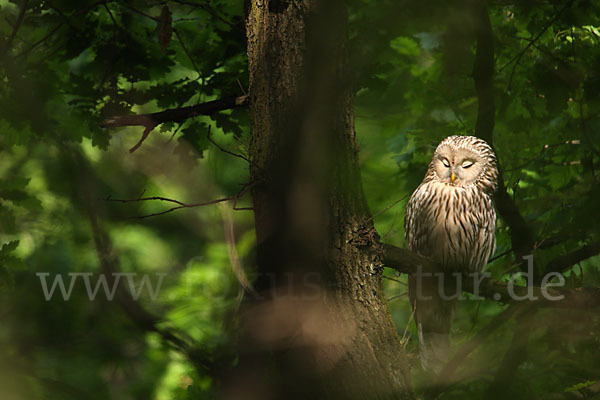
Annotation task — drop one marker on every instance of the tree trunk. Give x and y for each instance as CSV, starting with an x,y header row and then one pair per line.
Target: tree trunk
x,y
320,327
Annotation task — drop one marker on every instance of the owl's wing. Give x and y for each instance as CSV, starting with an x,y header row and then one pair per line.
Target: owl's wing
x,y
416,224
490,231
480,222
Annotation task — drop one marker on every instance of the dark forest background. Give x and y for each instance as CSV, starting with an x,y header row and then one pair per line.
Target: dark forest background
x,y
74,198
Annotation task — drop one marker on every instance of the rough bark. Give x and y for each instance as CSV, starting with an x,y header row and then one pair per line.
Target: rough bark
x,y
321,327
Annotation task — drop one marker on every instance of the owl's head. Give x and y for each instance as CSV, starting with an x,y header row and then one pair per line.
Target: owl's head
x,y
463,161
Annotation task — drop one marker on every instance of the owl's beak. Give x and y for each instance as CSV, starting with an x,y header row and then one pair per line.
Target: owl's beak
x,y
453,177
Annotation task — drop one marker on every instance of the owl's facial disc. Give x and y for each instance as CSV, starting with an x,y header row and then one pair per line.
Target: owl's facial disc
x,y
457,167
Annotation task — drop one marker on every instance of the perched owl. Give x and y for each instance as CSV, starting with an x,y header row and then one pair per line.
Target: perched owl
x,y
450,218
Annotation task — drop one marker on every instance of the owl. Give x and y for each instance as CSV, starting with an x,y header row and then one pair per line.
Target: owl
x,y
450,218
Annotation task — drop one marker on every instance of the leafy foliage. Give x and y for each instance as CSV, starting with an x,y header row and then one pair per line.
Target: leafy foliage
x,y
66,66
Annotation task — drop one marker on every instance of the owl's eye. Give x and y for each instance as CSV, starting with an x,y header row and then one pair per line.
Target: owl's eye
x,y
467,164
446,162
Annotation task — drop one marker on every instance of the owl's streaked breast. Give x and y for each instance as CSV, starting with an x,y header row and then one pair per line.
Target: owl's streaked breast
x,y
453,225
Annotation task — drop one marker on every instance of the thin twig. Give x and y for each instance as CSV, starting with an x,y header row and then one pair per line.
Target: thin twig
x,y
109,198
135,10
112,18
180,204
500,255
517,58
208,9
390,229
397,296
175,132
402,341
395,280
187,53
242,87
17,26
234,258
244,188
60,25
541,153
454,110
225,150
173,208
387,208
144,136
184,19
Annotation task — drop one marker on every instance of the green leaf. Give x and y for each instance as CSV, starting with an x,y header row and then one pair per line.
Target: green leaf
x,y
580,386
8,247
405,46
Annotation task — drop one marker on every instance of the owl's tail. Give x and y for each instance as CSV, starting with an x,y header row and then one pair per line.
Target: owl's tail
x,y
433,315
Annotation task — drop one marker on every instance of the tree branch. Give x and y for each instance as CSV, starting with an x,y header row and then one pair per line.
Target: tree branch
x,y
152,120
407,262
564,262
